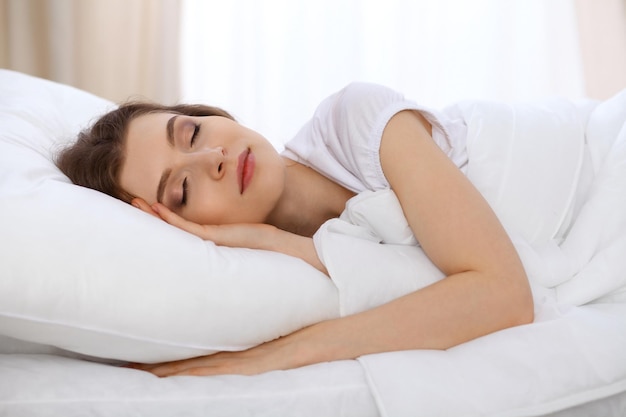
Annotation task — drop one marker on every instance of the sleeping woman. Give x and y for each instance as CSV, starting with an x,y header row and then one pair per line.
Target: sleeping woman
x,y
198,169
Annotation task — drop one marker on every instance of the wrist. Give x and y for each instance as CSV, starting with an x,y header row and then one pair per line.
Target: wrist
x,y
298,246
325,342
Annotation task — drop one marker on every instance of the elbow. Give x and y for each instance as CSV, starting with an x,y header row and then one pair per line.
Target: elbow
x,y
513,303
525,313
520,304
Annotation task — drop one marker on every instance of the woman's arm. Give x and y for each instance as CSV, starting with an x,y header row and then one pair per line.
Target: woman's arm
x,y
252,236
486,288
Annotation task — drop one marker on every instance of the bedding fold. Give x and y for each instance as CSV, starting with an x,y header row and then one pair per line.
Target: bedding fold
x,y
555,174
551,175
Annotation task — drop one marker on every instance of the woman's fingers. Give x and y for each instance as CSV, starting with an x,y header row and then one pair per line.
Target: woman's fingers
x,y
195,366
253,361
169,368
175,220
161,212
141,204
253,236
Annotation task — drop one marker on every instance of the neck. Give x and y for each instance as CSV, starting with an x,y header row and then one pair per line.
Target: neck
x,y
309,199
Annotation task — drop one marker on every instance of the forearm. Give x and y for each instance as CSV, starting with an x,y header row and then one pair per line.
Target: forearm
x,y
268,237
295,245
252,236
457,309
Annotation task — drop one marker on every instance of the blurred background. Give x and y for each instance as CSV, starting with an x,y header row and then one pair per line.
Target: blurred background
x,y
270,62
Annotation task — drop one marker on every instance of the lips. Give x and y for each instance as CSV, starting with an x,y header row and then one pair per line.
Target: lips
x,y
245,169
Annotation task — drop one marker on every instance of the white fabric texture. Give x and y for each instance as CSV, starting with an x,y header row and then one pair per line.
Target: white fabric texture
x,y
89,274
343,137
568,357
552,177
49,386
555,174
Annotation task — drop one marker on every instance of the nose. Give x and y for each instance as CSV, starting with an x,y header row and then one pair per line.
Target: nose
x,y
211,160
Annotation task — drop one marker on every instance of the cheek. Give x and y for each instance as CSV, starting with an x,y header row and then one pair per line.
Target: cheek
x,y
210,211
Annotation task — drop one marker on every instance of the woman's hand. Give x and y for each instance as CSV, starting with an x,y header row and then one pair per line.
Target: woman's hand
x,y
238,363
252,236
320,342
262,358
255,236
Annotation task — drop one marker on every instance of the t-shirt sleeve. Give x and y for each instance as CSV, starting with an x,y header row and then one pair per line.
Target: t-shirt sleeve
x,y
342,140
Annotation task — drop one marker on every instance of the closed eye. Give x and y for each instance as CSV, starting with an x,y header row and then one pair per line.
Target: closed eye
x,y
196,130
183,199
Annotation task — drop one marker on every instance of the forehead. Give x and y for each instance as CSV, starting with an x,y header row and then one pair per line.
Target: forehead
x,y
148,123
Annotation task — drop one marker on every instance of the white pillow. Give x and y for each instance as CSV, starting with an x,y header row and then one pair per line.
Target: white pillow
x,y
87,273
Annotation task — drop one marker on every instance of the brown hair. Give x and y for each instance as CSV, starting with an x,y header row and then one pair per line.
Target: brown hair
x,y
95,159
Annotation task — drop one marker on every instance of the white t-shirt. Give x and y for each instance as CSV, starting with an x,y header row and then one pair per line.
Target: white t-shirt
x,y
342,140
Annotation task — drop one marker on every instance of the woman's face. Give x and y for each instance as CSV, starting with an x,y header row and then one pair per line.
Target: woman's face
x,y
210,170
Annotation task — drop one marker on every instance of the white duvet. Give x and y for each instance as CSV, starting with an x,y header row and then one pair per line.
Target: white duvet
x,y
555,173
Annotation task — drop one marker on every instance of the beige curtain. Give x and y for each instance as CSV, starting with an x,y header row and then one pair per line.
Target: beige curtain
x,y
117,49
121,49
602,29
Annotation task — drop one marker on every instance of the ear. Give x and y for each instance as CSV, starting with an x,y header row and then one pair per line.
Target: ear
x,y
141,204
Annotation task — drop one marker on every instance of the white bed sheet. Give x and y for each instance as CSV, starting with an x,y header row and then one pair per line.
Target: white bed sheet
x,y
33,385
569,357
570,364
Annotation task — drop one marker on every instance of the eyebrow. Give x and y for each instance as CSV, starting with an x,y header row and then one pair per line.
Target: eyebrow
x,y
169,130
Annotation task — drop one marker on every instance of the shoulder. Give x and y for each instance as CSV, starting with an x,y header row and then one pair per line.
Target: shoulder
x,y
340,140
357,109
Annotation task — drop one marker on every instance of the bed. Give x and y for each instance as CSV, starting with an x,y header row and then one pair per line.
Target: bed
x,y
88,283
